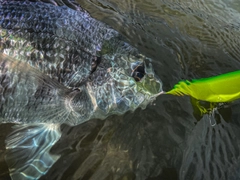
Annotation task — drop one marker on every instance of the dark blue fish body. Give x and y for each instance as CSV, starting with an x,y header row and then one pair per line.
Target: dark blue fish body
x,y
77,51
29,96
59,65
57,40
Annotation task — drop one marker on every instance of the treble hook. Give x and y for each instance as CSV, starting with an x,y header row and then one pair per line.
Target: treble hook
x,y
211,117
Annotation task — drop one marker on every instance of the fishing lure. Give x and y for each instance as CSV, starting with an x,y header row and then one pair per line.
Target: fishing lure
x,y
221,88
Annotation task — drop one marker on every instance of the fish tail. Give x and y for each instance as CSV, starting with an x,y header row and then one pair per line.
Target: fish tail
x,y
28,150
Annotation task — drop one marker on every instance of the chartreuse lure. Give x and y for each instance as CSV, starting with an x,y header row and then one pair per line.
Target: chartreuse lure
x,y
221,88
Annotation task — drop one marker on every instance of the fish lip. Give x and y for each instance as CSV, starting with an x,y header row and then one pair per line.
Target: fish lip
x,y
160,93
153,97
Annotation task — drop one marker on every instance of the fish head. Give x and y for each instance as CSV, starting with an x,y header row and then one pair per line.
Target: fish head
x,y
122,83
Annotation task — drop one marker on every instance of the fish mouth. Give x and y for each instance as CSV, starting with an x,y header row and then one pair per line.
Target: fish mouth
x,y
150,85
143,73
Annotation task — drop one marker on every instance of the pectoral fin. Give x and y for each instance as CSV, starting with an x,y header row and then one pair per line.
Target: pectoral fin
x,y
28,150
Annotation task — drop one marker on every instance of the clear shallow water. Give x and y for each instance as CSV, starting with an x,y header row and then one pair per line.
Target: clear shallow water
x,y
169,139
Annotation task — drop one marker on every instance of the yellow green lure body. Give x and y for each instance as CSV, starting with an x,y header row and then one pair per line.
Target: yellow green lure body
x,y
222,88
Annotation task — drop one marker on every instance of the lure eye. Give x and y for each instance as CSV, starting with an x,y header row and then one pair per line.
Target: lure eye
x,y
138,71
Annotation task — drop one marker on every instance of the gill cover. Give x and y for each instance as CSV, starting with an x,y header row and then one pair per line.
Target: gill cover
x,y
221,88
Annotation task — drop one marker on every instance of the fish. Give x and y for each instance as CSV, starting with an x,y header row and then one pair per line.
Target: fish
x,y
60,65
59,41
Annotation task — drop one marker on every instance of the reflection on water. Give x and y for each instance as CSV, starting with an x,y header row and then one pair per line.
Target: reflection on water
x,y
186,39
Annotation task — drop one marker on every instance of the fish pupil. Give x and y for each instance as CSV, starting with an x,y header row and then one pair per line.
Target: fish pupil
x,y
95,62
138,72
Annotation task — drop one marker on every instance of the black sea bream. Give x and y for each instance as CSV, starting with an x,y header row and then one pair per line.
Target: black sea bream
x,y
59,65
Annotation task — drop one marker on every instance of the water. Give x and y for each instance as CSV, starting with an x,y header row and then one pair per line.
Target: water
x,y
170,139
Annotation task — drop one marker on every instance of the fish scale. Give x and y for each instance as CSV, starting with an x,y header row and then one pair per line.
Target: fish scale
x,y
69,61
27,95
57,40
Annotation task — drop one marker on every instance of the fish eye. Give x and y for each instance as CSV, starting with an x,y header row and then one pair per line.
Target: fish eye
x,y
95,62
138,71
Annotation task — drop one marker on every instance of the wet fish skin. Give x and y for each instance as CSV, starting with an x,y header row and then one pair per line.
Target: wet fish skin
x,y
30,28
63,43
59,41
28,96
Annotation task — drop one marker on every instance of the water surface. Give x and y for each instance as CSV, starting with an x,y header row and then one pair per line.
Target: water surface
x,y
170,139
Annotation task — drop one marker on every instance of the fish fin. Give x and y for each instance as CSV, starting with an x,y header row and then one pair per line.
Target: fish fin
x,y
32,94
28,150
